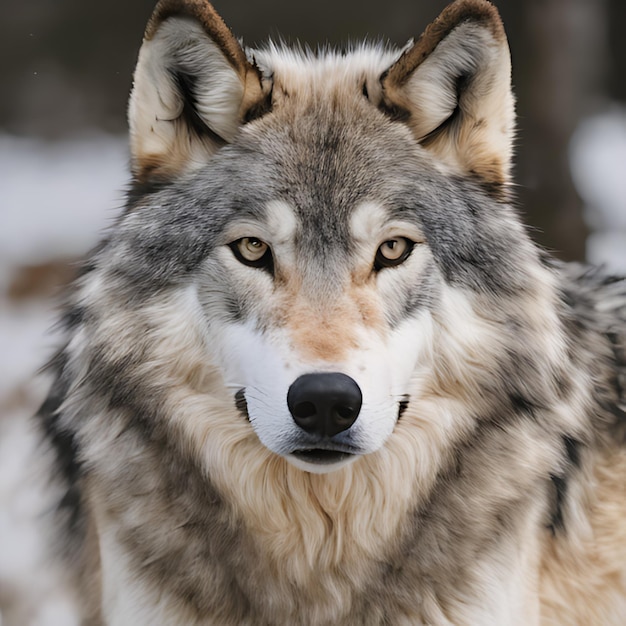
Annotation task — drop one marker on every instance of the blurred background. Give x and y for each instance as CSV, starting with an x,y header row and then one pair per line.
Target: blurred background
x,y
66,68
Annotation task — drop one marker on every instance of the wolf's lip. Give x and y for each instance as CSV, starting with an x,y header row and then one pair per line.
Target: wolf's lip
x,y
320,456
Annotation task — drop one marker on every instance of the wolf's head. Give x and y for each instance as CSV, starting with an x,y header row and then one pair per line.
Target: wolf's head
x,y
324,236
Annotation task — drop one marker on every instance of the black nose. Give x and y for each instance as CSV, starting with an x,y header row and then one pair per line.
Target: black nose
x,y
324,404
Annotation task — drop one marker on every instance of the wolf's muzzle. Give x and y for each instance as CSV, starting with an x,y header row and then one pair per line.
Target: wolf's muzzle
x,y
324,404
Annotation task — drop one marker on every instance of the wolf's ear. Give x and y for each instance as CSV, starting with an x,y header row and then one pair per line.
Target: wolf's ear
x,y
453,88
193,88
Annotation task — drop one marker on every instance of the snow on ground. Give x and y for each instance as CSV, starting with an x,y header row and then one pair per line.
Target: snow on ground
x,y
55,199
32,592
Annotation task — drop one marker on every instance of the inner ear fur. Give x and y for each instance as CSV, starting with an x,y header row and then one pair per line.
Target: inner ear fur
x,y
453,88
193,88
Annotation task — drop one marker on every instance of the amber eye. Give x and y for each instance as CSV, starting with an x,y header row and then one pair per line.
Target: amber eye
x,y
393,252
252,251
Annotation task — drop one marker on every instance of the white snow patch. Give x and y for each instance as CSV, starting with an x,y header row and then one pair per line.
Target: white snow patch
x,y
56,198
598,162
32,585
26,342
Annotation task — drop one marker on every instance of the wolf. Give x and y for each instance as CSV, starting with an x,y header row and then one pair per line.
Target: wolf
x,y
317,372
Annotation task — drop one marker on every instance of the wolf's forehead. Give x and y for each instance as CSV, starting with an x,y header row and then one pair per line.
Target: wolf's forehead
x,y
328,158
324,199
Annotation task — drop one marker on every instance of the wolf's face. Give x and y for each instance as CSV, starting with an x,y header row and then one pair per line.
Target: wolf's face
x,y
316,293
319,209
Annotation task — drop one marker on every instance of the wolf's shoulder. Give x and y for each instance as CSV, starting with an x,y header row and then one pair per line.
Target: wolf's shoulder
x,y
595,296
595,317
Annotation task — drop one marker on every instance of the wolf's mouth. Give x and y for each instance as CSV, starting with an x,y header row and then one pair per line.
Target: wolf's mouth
x,y
320,456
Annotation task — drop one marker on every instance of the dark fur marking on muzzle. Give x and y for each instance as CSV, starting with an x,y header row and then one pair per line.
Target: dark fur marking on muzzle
x,y
403,405
241,403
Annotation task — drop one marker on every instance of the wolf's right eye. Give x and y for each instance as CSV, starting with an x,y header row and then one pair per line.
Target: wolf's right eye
x,y
393,252
252,252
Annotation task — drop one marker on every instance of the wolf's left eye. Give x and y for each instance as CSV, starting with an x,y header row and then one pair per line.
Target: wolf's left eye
x,y
393,252
252,251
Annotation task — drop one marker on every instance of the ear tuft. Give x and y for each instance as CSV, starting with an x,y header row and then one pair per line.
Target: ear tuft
x,y
193,88
453,88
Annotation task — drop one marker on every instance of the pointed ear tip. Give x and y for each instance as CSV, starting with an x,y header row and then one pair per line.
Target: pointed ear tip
x,y
162,10
201,10
457,13
208,18
475,10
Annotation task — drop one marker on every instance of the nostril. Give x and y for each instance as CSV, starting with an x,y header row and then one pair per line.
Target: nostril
x,y
303,409
346,412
